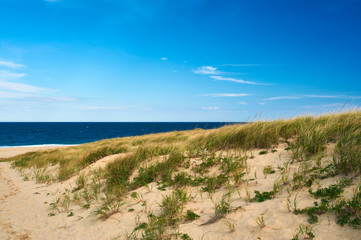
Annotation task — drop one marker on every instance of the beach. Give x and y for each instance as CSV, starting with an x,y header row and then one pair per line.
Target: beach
x,y
160,186
7,152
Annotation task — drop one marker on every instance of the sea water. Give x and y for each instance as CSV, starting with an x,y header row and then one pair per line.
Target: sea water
x,y
71,133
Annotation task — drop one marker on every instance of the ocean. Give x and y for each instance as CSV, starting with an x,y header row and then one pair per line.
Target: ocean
x,y
67,133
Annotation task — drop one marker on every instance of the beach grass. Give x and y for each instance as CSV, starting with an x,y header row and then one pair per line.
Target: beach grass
x,y
208,160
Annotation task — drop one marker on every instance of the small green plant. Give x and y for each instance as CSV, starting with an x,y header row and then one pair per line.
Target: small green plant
x,y
230,225
158,227
42,176
268,170
349,212
51,214
333,191
289,200
232,164
172,206
263,152
134,195
317,209
108,208
65,203
55,205
185,236
190,215
260,220
87,197
261,197
80,182
304,231
223,206
213,183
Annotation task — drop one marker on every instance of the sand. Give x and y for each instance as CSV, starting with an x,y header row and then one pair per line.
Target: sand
x,y
24,209
13,151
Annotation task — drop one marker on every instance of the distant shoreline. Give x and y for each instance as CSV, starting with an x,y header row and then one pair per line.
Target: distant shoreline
x,y
8,152
40,145
59,134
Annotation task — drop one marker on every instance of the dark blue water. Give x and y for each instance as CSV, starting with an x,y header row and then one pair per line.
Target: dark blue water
x,y
25,134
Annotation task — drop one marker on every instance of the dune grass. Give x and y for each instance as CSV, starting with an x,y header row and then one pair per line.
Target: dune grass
x,y
310,134
164,159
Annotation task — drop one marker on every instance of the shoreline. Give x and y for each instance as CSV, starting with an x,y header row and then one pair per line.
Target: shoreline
x,y
12,151
40,145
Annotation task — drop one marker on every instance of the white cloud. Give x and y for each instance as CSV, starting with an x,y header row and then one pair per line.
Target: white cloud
x,y
31,97
242,65
210,108
231,79
281,98
226,94
311,96
11,74
333,105
13,95
21,87
164,59
333,96
325,96
262,103
11,64
242,103
104,108
58,99
206,70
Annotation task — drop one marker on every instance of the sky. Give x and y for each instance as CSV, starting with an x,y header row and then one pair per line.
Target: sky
x,y
177,60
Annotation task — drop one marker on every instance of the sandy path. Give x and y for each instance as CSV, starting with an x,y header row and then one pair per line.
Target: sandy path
x,y
10,193
24,208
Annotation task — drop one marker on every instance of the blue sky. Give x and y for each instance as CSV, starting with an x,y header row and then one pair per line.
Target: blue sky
x,y
170,60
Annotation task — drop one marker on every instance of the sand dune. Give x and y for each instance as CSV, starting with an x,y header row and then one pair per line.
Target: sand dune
x,y
25,208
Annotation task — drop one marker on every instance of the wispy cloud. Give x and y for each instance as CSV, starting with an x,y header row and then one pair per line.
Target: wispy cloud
x,y
164,59
104,108
21,87
333,96
333,105
281,98
226,95
220,78
6,74
242,65
34,97
11,64
58,99
242,103
21,94
312,96
324,96
210,108
208,70
13,95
